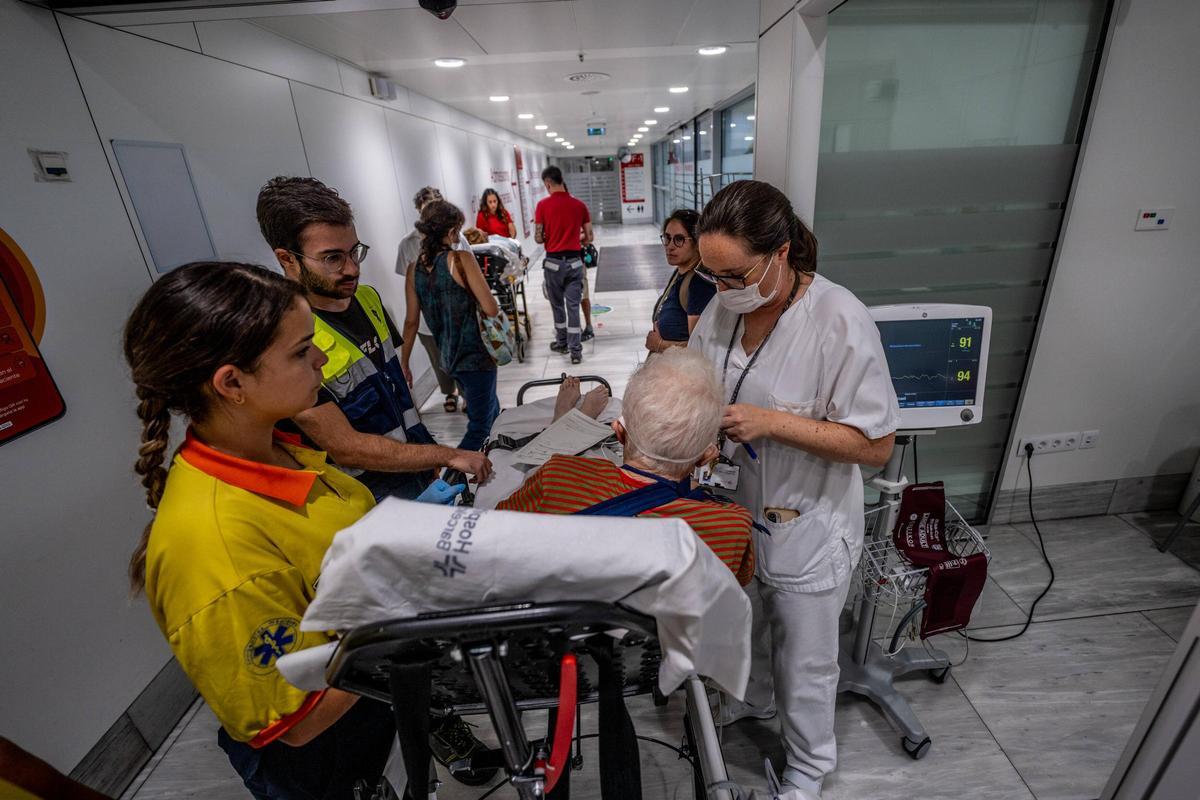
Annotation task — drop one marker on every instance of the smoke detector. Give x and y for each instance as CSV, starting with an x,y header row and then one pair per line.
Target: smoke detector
x,y
587,77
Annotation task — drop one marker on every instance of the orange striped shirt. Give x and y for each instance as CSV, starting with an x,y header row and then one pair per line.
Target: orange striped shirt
x,y
566,484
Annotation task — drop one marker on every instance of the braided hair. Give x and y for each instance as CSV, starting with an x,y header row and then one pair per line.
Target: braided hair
x,y
191,322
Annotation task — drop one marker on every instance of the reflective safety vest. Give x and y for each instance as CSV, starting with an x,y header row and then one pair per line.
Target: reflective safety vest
x,y
374,401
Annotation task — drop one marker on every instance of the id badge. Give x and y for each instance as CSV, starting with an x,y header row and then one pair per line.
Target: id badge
x,y
719,475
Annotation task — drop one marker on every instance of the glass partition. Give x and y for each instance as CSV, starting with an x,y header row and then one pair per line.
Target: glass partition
x,y
949,134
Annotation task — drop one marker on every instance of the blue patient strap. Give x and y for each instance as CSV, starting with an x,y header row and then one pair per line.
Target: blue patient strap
x,y
644,498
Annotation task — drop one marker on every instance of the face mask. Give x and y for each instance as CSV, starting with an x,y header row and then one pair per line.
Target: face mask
x,y
746,299
648,454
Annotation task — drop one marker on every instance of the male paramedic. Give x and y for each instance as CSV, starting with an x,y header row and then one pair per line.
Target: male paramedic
x,y
364,417
563,225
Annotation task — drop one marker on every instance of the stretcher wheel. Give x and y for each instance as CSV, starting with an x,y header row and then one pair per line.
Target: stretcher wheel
x,y
939,675
916,749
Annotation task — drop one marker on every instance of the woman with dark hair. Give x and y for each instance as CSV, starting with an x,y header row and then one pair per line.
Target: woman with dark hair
x,y
448,288
243,517
493,218
683,301
809,391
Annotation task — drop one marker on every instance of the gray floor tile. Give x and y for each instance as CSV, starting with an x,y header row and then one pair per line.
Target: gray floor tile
x,y
1148,493
1158,526
194,767
1063,699
1102,566
1171,621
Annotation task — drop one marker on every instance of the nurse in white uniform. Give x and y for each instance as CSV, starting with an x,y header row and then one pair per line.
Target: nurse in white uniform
x,y
810,394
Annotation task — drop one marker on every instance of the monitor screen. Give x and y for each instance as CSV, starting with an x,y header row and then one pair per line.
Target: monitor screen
x,y
933,362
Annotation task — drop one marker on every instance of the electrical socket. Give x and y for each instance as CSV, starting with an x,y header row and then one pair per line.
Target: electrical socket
x,y
1050,443
1088,439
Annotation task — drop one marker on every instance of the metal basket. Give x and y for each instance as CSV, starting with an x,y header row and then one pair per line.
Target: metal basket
x,y
892,576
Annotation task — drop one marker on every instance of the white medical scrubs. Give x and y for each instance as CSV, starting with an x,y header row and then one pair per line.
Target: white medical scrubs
x,y
824,361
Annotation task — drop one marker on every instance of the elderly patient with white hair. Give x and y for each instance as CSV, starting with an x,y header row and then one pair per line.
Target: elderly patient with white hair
x,y
671,417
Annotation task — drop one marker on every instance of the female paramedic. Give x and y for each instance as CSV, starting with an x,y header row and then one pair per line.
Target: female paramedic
x,y
810,399
244,517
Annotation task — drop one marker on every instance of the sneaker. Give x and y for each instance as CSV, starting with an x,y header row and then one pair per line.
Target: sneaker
x,y
587,334
558,347
732,711
576,358
452,740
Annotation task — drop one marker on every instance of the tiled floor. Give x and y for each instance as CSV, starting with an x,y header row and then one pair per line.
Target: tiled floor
x,y
1044,716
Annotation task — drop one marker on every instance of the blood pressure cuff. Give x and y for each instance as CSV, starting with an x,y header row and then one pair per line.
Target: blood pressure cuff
x,y
954,583
920,529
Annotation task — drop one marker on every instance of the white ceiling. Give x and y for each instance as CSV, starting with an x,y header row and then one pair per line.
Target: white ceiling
x,y
526,48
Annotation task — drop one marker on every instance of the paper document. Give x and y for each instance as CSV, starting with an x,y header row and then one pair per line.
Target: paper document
x,y
573,433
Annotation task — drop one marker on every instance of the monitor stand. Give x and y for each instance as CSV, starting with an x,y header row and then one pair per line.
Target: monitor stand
x,y
865,669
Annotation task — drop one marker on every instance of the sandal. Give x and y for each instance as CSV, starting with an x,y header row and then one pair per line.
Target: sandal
x,y
451,403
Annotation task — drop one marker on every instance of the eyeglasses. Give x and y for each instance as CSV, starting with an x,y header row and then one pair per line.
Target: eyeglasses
x,y
730,281
678,239
336,261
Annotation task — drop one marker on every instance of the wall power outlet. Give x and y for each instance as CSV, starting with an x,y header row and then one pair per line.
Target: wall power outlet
x,y
1050,443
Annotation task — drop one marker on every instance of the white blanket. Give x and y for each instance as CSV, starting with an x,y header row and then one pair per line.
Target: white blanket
x,y
519,422
406,558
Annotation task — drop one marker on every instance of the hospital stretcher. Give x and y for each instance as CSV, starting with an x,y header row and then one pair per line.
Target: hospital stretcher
x,y
510,659
523,624
505,275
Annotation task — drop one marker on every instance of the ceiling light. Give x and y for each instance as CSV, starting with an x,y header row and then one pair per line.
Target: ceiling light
x,y
650,122
540,127
751,118
674,141
560,140
749,138
499,98
524,116
449,63
632,143
715,50
733,124
643,129
661,109
570,147
636,136
677,89
551,134
687,138
704,133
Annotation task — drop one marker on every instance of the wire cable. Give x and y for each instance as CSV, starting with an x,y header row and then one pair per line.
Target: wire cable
x,y
1045,557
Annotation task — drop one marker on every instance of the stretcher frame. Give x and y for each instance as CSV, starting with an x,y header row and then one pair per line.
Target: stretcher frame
x,y
499,660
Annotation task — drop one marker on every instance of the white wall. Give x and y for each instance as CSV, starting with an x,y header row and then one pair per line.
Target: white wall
x,y
79,651
76,651
1119,344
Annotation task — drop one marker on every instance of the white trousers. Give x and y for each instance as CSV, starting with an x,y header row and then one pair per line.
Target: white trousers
x,y
794,666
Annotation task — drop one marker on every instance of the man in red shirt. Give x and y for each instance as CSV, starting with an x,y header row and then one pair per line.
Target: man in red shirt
x,y
563,225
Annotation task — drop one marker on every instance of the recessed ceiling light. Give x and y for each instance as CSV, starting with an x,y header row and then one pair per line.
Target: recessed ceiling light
x,y
551,134
661,109
687,138
560,140
570,147
540,127
524,116
632,142
677,89
499,98
636,136
715,50
749,138
751,118
449,63
704,133
650,122
643,129
733,124
674,141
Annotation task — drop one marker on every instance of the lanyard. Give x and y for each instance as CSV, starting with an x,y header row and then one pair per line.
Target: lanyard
x,y
662,298
762,345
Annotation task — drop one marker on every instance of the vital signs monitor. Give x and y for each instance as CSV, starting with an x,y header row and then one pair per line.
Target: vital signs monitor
x,y
937,356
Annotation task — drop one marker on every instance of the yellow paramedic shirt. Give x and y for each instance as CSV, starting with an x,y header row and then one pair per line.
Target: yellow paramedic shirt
x,y
232,564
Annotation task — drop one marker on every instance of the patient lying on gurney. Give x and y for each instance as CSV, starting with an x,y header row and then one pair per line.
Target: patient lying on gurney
x,y
671,415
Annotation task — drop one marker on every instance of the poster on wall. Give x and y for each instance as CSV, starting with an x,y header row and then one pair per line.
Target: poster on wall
x,y
521,187
29,398
633,179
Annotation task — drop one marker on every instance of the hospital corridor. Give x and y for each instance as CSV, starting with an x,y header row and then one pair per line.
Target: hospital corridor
x,y
613,399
